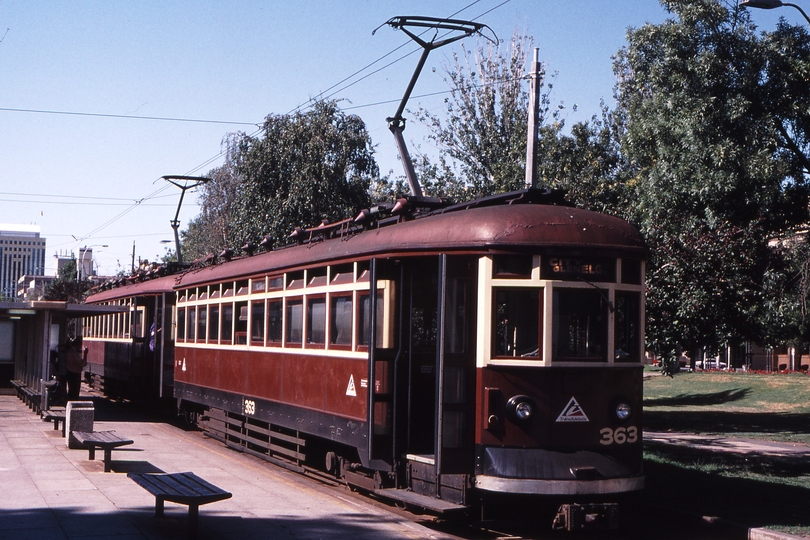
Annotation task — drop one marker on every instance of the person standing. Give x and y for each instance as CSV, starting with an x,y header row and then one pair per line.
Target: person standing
x,y
74,364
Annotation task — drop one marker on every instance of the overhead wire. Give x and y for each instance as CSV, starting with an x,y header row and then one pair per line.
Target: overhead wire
x,y
260,128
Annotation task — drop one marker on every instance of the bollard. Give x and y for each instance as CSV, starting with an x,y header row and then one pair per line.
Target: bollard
x,y
78,417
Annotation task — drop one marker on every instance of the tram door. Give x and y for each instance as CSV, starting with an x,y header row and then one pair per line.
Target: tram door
x,y
439,327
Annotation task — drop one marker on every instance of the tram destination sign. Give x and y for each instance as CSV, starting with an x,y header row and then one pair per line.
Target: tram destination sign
x,y
578,268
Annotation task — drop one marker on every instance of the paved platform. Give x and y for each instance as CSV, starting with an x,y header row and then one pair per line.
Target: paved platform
x,y
50,492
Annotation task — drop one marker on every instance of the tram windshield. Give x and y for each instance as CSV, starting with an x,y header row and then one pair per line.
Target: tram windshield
x,y
579,325
516,325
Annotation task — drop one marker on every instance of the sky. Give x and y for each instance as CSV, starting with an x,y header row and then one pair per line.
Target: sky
x,y
99,99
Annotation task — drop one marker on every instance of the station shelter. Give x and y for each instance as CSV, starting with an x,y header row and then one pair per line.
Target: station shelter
x,y
30,331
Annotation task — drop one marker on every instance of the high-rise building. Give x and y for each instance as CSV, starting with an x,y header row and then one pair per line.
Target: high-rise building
x,y
22,251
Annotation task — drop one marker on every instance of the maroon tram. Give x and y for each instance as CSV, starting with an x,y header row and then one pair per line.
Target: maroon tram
x,y
501,354
129,354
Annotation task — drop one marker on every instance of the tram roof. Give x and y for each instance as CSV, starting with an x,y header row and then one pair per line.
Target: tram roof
x,y
490,228
150,287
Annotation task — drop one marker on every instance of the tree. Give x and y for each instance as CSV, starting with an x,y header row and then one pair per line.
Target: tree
x,y
209,232
484,133
706,170
66,287
304,168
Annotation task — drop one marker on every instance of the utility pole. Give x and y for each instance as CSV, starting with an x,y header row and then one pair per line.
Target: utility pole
x,y
534,121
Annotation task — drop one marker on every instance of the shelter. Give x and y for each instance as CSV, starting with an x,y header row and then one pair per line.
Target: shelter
x,y
29,331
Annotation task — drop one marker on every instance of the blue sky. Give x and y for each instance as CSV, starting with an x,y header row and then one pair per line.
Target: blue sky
x,y
89,179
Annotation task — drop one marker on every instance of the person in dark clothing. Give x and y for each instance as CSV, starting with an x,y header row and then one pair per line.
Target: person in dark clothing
x,y
75,361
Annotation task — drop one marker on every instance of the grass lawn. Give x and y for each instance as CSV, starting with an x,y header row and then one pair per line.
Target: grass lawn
x,y
755,490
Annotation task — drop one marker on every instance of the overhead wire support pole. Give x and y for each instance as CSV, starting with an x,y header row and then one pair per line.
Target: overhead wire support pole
x,y
396,123
189,182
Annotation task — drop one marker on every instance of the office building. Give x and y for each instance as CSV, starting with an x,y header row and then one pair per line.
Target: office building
x,y
22,251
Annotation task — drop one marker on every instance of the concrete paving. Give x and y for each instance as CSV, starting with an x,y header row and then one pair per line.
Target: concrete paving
x,y
50,492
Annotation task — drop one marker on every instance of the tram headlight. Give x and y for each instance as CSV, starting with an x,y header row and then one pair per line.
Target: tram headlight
x,y
520,409
621,409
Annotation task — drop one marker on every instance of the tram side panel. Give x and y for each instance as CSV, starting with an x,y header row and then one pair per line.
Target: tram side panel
x,y
312,394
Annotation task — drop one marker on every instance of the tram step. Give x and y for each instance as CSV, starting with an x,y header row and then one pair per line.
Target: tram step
x,y
438,506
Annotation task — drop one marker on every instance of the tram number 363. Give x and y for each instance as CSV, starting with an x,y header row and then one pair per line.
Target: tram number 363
x,y
619,435
250,407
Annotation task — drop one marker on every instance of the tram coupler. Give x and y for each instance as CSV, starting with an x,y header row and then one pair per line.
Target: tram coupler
x,y
578,517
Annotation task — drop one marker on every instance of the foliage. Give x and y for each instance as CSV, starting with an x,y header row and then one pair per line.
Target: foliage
x,y
304,168
208,232
703,169
484,133
66,287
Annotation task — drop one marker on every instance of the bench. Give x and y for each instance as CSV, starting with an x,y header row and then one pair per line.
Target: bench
x,y
106,440
18,386
56,416
32,398
182,488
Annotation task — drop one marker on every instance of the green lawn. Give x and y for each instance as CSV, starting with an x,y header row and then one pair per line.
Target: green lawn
x,y
756,490
762,406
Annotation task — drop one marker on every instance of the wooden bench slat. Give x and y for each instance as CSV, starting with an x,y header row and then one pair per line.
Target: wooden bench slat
x,y
183,488
106,440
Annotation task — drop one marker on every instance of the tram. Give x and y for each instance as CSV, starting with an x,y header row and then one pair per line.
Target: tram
x,y
449,357
129,353
483,349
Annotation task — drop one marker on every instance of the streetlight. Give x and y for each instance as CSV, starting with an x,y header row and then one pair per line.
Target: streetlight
x,y
771,4
83,252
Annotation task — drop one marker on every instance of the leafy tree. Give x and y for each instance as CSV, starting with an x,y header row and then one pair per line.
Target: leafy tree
x,y
209,231
304,168
66,287
705,169
484,133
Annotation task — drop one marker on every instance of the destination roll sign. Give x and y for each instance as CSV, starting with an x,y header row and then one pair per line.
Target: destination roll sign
x,y
578,268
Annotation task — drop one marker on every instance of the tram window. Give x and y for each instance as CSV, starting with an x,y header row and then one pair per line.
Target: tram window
x,y
454,429
512,266
227,323
294,321
364,321
202,320
627,319
456,326
139,312
516,328
455,385
257,323
242,287
316,277
274,320
341,323
631,271
241,323
258,285
181,324
579,325
192,326
342,274
316,320
295,280
275,283
213,326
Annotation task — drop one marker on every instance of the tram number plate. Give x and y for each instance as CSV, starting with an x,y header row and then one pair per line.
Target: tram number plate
x,y
619,435
250,407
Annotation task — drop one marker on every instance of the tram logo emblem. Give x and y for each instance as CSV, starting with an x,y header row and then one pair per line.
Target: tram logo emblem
x,y
572,413
351,390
